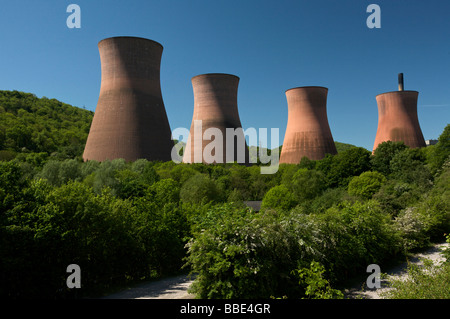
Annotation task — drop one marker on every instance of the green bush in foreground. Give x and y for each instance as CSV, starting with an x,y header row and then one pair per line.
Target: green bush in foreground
x,y
280,254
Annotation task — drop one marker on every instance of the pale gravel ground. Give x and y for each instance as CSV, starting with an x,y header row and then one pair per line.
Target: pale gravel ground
x,y
168,288
176,287
400,271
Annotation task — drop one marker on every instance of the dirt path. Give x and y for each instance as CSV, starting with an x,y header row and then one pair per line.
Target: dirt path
x,y
433,253
168,288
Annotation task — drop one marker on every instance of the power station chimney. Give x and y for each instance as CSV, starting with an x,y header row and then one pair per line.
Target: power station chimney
x,y
216,134
308,132
400,82
130,120
397,118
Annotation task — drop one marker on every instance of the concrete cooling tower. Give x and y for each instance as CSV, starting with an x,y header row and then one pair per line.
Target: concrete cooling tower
x,y
308,132
215,113
130,120
397,118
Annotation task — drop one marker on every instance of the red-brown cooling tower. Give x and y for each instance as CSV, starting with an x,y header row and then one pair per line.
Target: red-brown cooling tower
x,y
215,105
397,118
130,120
308,132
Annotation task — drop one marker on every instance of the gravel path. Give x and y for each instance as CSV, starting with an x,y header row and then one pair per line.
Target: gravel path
x,y
433,253
168,288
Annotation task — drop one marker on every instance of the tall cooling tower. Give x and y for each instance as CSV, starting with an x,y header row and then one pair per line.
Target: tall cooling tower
x,y
215,111
397,118
308,132
130,120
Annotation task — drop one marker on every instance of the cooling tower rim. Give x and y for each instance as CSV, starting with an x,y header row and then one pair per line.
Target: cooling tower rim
x,y
307,87
399,92
215,74
130,37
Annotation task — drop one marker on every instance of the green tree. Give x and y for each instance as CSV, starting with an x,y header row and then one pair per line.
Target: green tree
x,y
199,189
307,184
441,151
166,191
340,168
366,184
383,155
279,197
408,165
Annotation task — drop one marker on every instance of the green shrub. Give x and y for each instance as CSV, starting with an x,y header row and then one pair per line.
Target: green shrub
x,y
412,225
355,235
279,197
316,286
366,184
248,255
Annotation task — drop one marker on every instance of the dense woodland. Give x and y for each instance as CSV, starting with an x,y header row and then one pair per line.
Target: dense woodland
x,y
321,222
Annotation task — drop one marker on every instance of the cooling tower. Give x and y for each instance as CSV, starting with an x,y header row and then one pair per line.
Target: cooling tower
x,y
215,113
397,118
308,132
130,120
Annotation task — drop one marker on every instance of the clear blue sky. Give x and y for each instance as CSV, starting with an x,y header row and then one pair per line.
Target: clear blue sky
x,y
271,45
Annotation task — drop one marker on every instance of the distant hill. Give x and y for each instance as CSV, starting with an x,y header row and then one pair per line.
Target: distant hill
x,y
343,146
29,124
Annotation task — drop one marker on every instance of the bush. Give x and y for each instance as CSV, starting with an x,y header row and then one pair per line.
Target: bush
x,y
67,225
412,226
279,197
316,286
366,184
248,255
241,254
355,235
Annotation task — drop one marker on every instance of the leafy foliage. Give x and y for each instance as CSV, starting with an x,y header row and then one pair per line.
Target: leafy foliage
x,y
320,223
279,197
366,184
40,125
317,287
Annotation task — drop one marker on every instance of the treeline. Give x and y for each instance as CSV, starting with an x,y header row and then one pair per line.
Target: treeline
x,y
321,222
